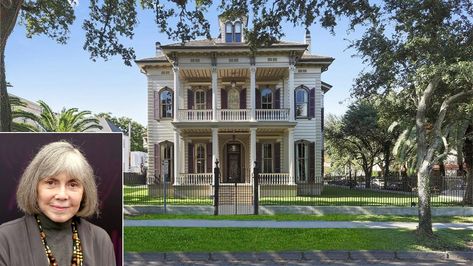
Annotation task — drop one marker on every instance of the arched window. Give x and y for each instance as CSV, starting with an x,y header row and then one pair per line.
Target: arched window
x,y
228,32
233,99
302,161
266,98
302,102
165,100
237,37
200,165
200,103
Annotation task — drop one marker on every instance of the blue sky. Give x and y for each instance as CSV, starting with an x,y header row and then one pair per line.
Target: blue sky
x,y
64,76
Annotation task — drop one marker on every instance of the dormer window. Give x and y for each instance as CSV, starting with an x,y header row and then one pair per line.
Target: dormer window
x,y
233,32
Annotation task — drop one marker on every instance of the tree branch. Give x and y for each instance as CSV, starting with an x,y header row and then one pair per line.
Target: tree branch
x,y
6,3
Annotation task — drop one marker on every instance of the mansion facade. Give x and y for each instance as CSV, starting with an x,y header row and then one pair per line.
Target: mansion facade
x,y
212,100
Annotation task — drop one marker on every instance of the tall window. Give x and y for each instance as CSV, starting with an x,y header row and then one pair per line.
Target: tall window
x,y
165,99
200,158
233,32
267,98
267,158
237,37
302,161
166,159
302,102
228,32
200,100
233,99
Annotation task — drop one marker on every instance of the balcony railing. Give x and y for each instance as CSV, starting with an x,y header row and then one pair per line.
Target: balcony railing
x,y
274,179
195,115
195,179
272,114
234,114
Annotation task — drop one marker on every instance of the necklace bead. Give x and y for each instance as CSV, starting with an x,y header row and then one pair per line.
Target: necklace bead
x,y
77,256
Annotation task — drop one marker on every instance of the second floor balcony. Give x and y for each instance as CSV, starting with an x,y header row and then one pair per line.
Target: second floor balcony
x,y
191,115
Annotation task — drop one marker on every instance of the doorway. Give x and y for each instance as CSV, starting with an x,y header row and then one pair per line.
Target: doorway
x,y
233,165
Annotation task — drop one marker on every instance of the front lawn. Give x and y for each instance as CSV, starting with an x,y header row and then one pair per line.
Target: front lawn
x,y
170,239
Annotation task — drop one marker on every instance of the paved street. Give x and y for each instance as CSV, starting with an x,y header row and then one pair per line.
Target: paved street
x,y
302,258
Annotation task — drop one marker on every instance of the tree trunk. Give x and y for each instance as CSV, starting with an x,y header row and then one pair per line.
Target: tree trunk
x,y
468,154
424,156
8,15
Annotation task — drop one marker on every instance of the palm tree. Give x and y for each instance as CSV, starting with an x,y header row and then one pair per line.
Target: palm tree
x,y
68,120
20,116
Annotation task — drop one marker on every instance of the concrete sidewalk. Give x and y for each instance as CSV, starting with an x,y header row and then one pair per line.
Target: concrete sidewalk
x,y
289,224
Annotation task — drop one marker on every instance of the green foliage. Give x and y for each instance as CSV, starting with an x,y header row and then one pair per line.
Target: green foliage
x,y
18,113
137,130
68,120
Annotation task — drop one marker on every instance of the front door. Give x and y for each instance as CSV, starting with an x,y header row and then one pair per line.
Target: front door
x,y
234,163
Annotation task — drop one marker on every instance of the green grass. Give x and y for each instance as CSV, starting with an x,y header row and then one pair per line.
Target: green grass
x,y
169,239
299,217
331,196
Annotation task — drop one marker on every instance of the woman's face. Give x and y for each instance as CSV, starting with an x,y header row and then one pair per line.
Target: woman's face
x,y
59,197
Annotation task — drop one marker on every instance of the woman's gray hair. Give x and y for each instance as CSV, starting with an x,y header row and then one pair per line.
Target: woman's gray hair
x,y
53,159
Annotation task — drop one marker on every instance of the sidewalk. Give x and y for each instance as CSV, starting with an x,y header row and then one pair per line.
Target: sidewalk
x,y
289,224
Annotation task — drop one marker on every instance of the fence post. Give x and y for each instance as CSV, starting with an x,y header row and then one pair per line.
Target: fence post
x,y
256,189
216,186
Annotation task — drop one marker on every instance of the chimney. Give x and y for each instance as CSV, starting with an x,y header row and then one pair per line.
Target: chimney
x,y
308,41
159,52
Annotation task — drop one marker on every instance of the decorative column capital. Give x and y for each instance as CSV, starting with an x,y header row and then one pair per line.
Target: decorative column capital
x,y
213,69
292,68
175,69
253,69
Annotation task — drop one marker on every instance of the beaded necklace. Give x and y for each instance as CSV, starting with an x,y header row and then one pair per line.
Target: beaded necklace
x,y
77,256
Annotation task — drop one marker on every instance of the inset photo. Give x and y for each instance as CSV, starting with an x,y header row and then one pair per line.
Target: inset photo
x,y
61,199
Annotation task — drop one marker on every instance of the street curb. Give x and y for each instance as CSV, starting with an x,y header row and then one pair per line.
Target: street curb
x,y
372,255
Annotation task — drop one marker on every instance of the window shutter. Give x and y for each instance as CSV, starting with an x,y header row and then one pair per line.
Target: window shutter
x,y
243,99
157,161
208,95
258,156
258,99
156,105
209,157
190,158
277,99
312,103
190,99
277,157
296,163
322,120
312,162
223,98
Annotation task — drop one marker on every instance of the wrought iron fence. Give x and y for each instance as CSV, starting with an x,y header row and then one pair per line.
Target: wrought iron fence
x,y
339,191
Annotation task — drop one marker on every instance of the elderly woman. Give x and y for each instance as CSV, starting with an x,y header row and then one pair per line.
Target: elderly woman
x,y
55,192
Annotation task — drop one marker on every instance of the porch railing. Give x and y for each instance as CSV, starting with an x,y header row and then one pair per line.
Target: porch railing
x,y
195,179
272,114
234,114
274,179
194,115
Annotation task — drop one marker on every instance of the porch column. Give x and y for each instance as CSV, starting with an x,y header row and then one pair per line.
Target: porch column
x,y
176,92
214,150
252,152
252,92
214,94
177,153
290,149
290,88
